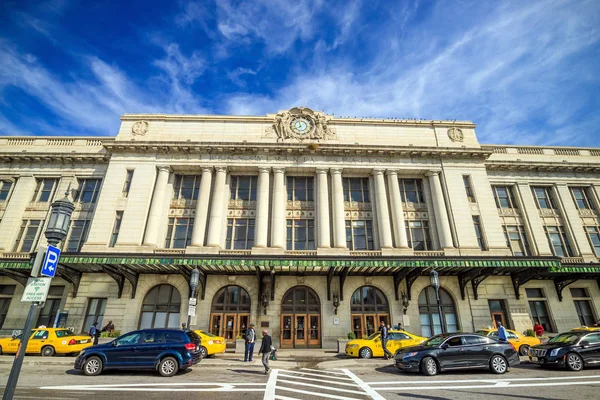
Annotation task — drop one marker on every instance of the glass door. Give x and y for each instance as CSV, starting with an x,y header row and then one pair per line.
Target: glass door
x,y
299,330
230,328
242,324
314,332
357,326
215,324
370,324
286,332
383,317
498,317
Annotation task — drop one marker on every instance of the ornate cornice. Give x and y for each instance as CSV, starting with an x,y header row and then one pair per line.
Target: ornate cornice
x,y
536,166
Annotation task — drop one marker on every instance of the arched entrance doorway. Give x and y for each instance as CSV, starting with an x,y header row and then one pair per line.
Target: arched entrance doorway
x,y
429,314
368,308
230,313
161,307
300,318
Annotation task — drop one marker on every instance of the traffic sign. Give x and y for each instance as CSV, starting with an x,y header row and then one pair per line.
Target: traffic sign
x,y
191,311
36,289
192,301
50,263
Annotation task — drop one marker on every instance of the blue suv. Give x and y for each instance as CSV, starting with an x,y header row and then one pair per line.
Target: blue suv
x,y
164,350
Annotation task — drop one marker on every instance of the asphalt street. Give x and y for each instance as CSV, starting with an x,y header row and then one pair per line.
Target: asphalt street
x,y
369,379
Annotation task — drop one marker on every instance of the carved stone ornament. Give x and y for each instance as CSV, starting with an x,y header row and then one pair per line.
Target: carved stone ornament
x,y
301,123
456,134
140,128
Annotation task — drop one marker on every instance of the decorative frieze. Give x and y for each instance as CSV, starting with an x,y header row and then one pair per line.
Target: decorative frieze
x,y
508,212
358,215
241,204
299,214
354,205
299,205
241,213
183,203
182,212
415,215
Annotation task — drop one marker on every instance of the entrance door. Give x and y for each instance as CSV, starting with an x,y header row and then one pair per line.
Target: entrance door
x,y
370,324
230,327
314,331
216,324
498,317
242,324
357,326
300,330
286,331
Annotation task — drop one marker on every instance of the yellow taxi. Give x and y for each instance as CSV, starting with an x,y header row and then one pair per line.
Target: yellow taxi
x,y
521,343
48,342
371,346
211,344
587,328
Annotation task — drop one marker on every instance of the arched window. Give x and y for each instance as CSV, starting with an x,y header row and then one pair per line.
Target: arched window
x,y
368,307
230,312
429,315
161,308
300,318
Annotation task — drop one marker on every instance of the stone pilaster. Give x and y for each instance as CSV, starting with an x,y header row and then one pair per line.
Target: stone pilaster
x,y
441,213
383,215
216,210
262,207
324,238
339,220
397,211
156,207
278,223
202,208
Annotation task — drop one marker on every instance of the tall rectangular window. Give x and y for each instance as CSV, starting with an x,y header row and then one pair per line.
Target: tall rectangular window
x,y
300,188
539,309
186,187
359,234
356,189
582,200
418,235
5,187
300,234
28,235
127,184
240,233
594,236
243,188
78,234
583,306
411,190
94,313
504,197
558,241
116,228
179,233
468,189
516,240
479,232
89,189
543,196
6,293
44,190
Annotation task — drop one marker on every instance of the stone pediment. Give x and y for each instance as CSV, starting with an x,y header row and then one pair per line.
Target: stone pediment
x,y
300,124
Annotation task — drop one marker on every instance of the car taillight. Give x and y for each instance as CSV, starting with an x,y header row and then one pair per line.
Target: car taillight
x,y
72,341
511,345
190,346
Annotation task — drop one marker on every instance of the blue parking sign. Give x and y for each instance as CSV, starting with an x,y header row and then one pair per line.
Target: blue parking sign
x,y
50,262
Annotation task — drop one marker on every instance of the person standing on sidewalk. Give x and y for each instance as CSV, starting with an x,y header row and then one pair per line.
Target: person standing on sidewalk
x,y
265,350
250,341
384,336
94,333
502,333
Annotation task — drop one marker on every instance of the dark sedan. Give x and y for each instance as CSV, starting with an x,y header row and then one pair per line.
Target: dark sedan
x,y
165,350
573,350
457,351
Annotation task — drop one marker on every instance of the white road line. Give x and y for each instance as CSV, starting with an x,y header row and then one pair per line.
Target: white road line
x,y
502,385
190,389
271,383
278,397
483,380
318,375
224,385
318,380
329,396
323,371
371,392
321,387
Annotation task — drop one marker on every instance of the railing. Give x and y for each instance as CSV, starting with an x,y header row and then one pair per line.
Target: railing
x,y
429,253
530,150
366,253
301,252
572,260
93,142
60,142
20,142
236,252
169,251
16,255
595,153
567,152
499,150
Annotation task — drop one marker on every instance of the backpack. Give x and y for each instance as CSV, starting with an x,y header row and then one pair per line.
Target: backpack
x,y
93,331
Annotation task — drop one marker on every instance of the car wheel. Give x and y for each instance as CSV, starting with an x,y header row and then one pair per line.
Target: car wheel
x,y
92,366
523,350
365,352
48,351
168,366
574,362
498,364
429,366
203,352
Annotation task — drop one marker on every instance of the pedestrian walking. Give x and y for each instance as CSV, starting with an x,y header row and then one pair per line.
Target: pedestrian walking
x,y
250,341
94,332
502,333
538,329
384,336
266,348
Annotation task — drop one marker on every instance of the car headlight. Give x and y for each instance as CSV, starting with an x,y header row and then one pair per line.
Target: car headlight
x,y
210,342
407,355
352,346
554,352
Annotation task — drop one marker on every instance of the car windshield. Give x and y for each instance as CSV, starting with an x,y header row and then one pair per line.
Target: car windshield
x,y
484,333
434,341
208,334
64,333
566,338
373,336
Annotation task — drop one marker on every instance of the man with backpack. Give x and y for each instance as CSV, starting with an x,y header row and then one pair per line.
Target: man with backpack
x,y
94,332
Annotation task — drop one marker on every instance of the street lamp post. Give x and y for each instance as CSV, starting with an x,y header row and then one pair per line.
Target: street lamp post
x,y
56,231
194,279
435,282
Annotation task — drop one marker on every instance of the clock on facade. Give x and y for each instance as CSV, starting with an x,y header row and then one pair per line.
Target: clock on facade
x,y
300,126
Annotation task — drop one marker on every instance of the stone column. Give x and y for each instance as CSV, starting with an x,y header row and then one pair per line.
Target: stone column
x,y
324,238
216,210
262,207
572,221
278,230
397,212
538,242
339,220
202,208
157,206
440,210
383,214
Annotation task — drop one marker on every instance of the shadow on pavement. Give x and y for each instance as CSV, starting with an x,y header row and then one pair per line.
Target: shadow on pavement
x,y
511,395
245,371
475,371
122,372
421,396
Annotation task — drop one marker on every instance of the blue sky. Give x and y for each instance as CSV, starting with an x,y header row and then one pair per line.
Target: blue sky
x,y
526,72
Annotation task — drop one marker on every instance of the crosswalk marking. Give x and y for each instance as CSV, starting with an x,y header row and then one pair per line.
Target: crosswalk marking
x,y
323,371
320,387
317,380
320,375
329,396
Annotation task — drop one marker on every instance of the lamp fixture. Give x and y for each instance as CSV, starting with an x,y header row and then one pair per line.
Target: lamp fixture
x,y
336,302
405,302
265,302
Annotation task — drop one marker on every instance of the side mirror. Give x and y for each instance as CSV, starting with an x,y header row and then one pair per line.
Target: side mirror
x,y
445,346
584,343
